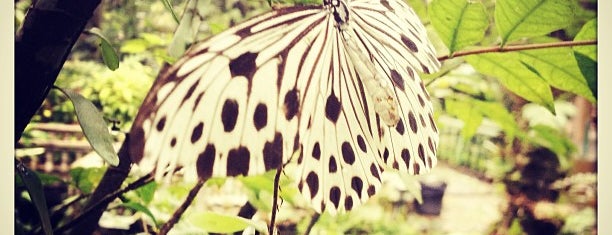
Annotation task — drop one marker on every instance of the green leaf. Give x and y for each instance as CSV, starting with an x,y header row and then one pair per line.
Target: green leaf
x,y
471,117
35,189
219,223
517,19
459,23
109,56
86,179
586,56
514,76
588,31
146,192
139,207
588,68
559,68
94,127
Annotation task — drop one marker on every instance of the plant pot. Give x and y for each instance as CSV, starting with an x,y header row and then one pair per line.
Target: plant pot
x,y
432,193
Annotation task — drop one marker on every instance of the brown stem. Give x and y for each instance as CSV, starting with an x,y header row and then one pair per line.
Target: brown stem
x,y
275,199
103,202
179,212
500,49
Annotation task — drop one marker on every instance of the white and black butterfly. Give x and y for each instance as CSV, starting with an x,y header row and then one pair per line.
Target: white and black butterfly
x,y
335,83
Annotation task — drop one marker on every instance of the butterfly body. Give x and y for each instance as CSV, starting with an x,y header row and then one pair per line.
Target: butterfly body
x,y
337,84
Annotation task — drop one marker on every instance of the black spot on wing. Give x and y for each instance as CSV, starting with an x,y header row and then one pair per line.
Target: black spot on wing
x,y
332,108
260,117
374,171
348,203
291,104
400,127
416,168
173,142
197,132
312,180
371,190
421,152
433,125
431,145
421,101
229,115
243,65
410,44
397,79
334,196
410,73
347,153
197,101
205,162
333,166
357,185
161,124
406,156
190,92
238,161
386,155
385,3
316,151
273,152
361,144
412,121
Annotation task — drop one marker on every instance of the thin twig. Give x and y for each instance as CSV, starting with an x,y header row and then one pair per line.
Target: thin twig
x,y
179,211
313,221
134,185
501,49
275,199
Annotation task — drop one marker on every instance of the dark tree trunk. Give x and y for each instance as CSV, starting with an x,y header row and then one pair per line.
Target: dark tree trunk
x,y
50,29
42,45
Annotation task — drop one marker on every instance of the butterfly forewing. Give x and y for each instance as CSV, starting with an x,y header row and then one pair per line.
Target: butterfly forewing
x,y
244,101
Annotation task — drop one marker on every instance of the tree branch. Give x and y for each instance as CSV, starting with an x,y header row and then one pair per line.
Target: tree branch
x,y
104,193
500,49
50,29
179,212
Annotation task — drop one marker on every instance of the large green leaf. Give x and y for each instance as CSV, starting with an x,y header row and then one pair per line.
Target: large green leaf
x,y
515,76
459,23
559,68
588,31
94,127
586,56
517,19
37,195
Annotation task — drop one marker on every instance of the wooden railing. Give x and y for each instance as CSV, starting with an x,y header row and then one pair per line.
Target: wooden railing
x,y
63,144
